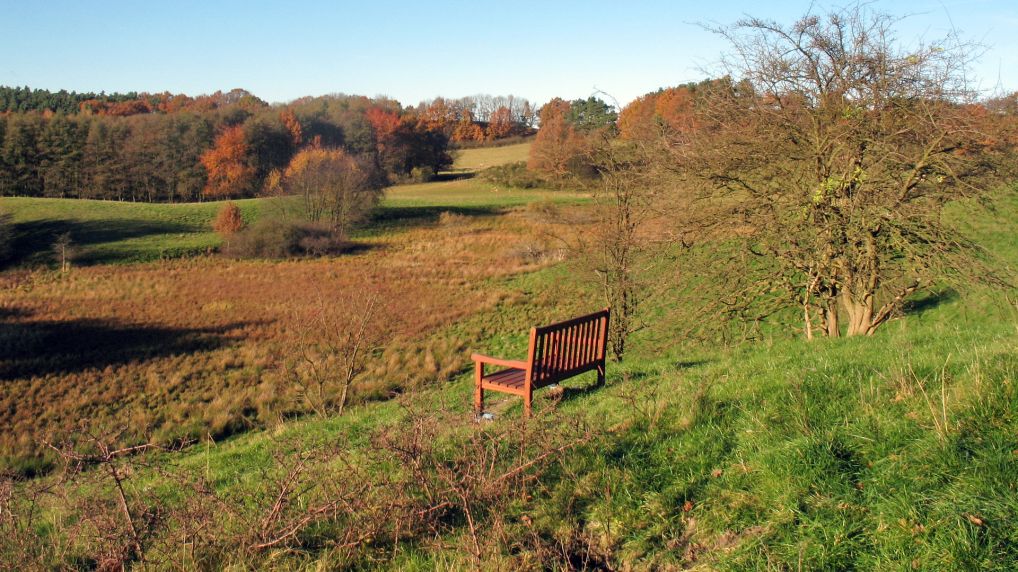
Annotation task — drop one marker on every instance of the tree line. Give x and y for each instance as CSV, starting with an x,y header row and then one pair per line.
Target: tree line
x,y
171,147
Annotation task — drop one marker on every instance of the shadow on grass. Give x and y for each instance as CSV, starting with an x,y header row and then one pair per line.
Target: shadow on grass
x,y
410,216
568,392
687,364
40,348
34,240
928,301
453,176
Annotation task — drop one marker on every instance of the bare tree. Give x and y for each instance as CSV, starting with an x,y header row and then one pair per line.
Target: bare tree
x,y
614,240
332,349
121,535
64,250
838,147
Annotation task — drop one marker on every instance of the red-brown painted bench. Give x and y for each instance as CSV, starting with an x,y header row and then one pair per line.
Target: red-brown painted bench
x,y
557,352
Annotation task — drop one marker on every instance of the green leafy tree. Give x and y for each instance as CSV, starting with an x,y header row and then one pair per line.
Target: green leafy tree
x,y
591,114
837,151
20,158
61,147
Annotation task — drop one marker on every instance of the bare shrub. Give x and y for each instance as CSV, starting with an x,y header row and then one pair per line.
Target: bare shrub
x,y
278,237
452,219
333,347
335,188
64,251
20,515
470,481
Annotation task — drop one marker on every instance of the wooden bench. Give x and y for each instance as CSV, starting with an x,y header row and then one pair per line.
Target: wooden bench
x,y
557,352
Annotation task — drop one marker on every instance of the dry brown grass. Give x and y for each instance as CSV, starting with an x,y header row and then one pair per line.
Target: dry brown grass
x,y
189,348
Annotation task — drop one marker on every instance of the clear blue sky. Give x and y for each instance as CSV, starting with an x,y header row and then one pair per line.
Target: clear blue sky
x,y
416,50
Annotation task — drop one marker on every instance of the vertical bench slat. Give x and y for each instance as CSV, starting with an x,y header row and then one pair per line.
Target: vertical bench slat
x,y
560,352
569,346
539,372
588,341
578,345
557,355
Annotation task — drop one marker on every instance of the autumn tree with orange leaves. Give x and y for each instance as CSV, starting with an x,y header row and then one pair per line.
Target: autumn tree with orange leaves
x,y
229,168
658,114
292,125
467,130
501,124
558,150
335,187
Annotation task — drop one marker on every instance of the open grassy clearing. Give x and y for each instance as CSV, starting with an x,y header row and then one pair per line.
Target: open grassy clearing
x,y
484,157
893,452
182,348
108,232
114,232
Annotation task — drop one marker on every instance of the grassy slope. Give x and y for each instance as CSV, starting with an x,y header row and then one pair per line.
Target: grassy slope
x,y
893,452
484,157
108,232
114,232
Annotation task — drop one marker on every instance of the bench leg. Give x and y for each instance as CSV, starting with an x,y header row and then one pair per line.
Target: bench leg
x,y
478,390
528,399
600,374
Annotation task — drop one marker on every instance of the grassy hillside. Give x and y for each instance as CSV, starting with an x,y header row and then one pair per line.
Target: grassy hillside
x,y
484,157
114,232
107,232
892,452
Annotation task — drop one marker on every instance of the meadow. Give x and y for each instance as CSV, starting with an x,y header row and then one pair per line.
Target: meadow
x,y
152,331
891,452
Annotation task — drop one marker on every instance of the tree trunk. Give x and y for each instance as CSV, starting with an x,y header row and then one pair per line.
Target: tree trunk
x,y
830,323
860,314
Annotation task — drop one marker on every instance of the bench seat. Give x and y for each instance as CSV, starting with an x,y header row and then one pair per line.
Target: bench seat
x,y
557,352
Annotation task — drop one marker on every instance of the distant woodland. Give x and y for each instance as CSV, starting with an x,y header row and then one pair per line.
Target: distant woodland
x,y
173,148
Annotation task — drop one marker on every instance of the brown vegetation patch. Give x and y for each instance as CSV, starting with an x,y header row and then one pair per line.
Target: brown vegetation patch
x,y
189,348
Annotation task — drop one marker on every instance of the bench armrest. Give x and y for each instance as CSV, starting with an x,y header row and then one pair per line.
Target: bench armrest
x,y
498,361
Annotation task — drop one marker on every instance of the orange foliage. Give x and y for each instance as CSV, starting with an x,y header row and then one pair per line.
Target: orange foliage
x,y
653,114
385,124
437,116
118,109
229,168
500,125
636,121
467,130
557,144
292,124
228,220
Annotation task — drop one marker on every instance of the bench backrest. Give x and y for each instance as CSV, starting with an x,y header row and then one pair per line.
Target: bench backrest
x,y
568,348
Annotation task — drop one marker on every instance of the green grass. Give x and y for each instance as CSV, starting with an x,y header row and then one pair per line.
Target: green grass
x,y
114,232
896,452
471,192
109,232
484,157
